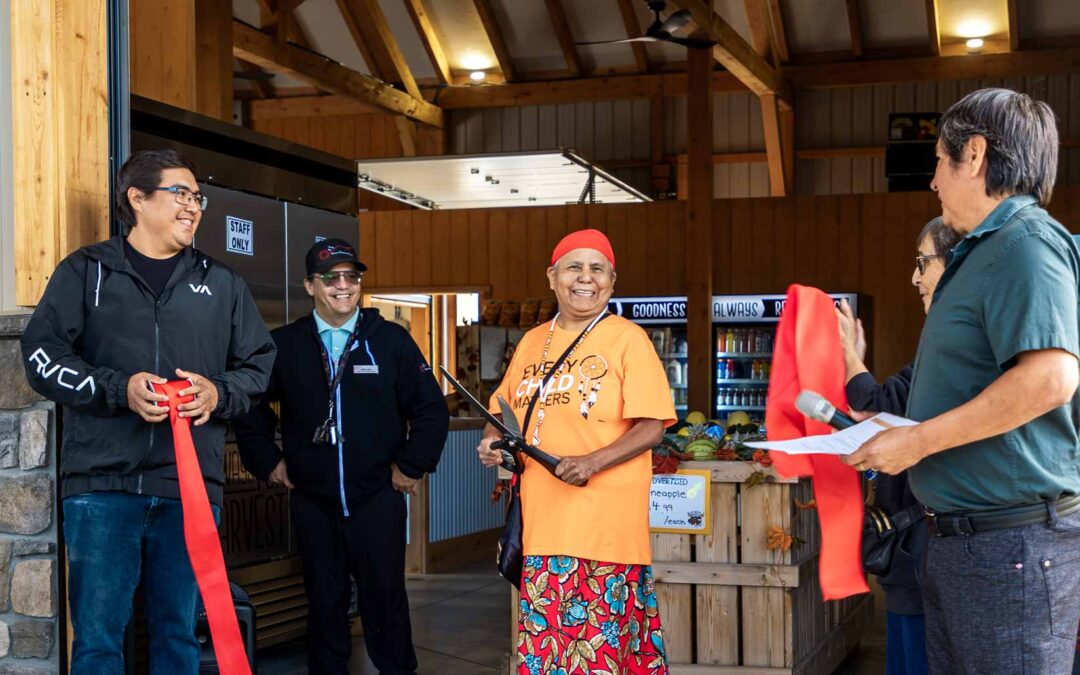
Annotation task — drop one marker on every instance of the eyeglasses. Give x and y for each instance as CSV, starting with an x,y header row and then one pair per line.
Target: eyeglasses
x,y
921,261
351,277
185,196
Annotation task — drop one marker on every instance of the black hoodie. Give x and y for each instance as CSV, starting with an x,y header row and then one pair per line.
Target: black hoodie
x,y
391,411
99,323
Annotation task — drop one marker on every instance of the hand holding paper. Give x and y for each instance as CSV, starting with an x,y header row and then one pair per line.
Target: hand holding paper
x,y
841,443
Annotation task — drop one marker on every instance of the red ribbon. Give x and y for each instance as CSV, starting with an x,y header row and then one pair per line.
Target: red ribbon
x,y
808,355
203,545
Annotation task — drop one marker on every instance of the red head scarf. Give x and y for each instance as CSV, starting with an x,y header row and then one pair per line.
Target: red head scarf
x,y
594,239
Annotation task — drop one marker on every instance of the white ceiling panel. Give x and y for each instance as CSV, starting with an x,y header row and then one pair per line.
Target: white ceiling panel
x,y
408,39
1049,18
530,37
816,26
327,33
490,181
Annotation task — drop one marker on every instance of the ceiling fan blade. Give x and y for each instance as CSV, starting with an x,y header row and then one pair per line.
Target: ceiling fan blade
x,y
601,42
677,21
690,42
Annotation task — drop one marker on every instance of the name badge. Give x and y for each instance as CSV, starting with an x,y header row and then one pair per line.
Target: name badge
x,y
365,370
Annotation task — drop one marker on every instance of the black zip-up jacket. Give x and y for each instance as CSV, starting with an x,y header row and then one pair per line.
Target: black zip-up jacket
x,y
391,411
893,493
99,323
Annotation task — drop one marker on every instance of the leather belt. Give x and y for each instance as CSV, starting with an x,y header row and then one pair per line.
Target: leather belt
x,y
970,522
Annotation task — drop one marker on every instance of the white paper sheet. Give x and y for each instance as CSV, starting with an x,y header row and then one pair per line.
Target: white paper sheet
x,y
840,443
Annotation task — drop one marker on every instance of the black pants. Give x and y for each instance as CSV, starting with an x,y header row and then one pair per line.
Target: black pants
x,y
369,545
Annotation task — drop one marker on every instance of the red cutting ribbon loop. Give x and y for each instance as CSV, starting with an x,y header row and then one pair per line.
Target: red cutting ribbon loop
x,y
201,537
807,355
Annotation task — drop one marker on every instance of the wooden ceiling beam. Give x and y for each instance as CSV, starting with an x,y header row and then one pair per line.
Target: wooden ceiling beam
x,y
813,76
932,27
288,6
633,30
264,51
855,28
757,18
430,40
271,17
738,57
780,41
566,39
368,25
264,88
498,45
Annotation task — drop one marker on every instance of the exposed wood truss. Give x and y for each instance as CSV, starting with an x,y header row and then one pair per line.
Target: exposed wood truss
x,y
633,30
264,51
430,40
855,28
933,30
498,45
368,25
566,40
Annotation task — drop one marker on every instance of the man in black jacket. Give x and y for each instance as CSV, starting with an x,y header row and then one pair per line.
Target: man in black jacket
x,y
117,316
362,421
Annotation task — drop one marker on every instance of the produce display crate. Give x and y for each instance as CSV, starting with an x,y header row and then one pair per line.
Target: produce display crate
x,y
731,605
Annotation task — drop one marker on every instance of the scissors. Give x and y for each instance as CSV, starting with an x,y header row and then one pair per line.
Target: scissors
x,y
513,440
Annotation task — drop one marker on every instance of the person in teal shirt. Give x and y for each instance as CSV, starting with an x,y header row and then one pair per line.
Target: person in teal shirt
x,y
995,457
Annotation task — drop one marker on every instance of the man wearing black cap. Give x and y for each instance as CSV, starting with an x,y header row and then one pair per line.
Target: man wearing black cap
x,y
362,421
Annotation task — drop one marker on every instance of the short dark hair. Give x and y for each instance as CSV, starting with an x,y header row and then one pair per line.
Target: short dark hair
x,y
142,171
1021,140
943,236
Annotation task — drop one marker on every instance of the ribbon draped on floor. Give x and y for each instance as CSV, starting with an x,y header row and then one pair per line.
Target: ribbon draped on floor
x,y
808,355
203,545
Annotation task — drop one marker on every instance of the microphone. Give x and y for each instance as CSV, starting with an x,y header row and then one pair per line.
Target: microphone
x,y
817,407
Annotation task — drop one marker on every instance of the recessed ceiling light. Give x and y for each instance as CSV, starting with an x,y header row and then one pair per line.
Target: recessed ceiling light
x,y
477,76
975,45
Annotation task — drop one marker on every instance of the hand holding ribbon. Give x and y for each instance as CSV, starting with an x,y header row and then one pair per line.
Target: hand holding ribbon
x,y
201,536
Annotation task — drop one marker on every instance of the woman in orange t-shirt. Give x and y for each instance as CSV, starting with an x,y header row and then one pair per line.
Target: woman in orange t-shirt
x,y
587,597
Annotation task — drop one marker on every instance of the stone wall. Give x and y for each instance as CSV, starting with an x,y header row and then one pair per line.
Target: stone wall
x,y
29,587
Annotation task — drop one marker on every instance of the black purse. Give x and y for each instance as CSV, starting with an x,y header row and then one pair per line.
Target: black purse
x,y
511,556
881,535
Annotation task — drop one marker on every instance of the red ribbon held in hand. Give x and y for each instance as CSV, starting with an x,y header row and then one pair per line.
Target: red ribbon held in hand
x,y
808,355
201,537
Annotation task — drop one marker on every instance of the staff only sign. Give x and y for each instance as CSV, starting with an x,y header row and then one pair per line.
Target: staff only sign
x,y
239,236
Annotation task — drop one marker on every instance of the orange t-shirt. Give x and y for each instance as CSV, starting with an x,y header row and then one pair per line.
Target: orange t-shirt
x,y
608,519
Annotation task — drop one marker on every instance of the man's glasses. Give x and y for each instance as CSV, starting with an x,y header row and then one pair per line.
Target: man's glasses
x,y
921,261
185,196
351,277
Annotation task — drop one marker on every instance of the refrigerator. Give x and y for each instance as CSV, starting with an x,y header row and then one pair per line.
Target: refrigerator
x,y
744,331
664,320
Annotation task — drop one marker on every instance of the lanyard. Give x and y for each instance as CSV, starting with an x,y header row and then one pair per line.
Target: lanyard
x,y
328,432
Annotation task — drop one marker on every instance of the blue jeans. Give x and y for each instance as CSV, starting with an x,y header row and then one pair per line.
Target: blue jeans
x,y
114,540
905,644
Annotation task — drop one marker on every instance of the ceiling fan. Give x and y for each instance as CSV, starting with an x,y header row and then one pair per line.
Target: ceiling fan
x,y
660,30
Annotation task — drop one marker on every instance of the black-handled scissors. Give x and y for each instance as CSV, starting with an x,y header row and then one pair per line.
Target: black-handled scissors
x,y
512,440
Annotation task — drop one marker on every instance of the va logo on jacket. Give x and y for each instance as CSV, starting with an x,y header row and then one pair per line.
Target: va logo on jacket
x,y
46,369
200,288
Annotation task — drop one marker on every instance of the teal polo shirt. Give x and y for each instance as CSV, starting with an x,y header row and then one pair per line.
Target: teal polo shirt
x,y
334,339
1009,286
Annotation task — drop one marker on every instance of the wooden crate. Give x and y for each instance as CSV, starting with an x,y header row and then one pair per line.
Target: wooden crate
x,y
730,605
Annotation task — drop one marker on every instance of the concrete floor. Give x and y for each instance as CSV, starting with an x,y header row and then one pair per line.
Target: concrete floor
x,y
461,626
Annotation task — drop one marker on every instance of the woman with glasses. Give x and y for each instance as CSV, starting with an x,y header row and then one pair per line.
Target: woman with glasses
x,y
905,633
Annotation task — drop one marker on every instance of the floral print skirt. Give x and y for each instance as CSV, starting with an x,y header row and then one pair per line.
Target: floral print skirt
x,y
584,616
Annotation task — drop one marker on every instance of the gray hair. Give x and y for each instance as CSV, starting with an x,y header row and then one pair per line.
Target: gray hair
x,y
943,236
1021,140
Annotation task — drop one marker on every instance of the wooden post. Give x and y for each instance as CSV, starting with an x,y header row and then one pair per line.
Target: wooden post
x,y
60,135
163,51
699,227
214,59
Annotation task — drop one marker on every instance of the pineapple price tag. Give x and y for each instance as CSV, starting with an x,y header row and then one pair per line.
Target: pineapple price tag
x,y
679,502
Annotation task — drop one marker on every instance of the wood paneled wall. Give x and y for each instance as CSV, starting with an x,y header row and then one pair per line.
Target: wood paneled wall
x,y
181,54
842,117
366,136
852,243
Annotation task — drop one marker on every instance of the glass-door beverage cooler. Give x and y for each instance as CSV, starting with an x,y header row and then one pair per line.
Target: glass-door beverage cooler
x,y
664,320
744,331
